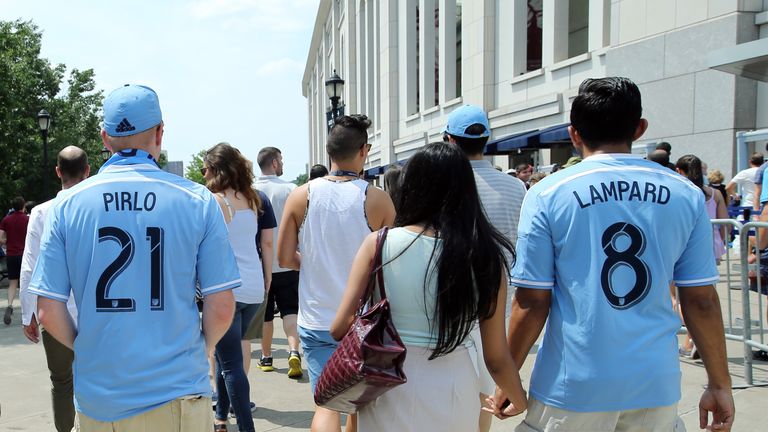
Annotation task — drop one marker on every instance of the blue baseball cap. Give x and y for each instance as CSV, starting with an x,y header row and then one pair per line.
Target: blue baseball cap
x,y
465,116
131,109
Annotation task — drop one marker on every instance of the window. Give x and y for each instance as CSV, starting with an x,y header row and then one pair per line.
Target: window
x,y
578,27
458,48
534,35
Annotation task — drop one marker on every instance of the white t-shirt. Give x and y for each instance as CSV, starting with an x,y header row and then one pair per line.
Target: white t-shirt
x,y
745,179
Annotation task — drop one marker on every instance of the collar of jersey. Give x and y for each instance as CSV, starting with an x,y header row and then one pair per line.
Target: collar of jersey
x,y
129,157
605,156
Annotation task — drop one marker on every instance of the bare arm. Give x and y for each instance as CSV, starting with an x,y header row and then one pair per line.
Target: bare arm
x,y
293,216
756,199
730,188
530,309
703,318
379,208
3,238
721,211
267,255
498,358
358,280
54,316
218,311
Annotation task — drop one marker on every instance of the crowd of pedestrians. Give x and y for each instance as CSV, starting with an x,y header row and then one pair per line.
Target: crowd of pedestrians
x,y
142,281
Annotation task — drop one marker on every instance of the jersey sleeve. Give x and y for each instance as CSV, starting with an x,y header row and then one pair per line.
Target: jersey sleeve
x,y
760,173
50,278
696,266
267,217
216,265
535,263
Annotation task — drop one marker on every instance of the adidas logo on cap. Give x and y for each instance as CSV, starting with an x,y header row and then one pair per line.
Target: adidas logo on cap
x,y
125,126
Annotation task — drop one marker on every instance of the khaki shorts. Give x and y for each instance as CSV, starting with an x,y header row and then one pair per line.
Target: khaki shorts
x,y
545,418
186,414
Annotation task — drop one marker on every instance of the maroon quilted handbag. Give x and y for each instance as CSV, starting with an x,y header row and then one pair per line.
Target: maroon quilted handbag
x,y
369,359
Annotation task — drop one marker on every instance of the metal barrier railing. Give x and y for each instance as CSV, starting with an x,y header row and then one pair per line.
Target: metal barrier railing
x,y
749,343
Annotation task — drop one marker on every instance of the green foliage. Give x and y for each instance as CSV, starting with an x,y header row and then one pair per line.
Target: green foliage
x,y
193,169
301,179
162,161
28,84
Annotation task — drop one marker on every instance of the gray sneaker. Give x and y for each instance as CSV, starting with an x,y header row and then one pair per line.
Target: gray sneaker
x,y
8,313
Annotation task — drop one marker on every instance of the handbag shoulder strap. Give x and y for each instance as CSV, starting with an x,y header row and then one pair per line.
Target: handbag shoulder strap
x,y
375,274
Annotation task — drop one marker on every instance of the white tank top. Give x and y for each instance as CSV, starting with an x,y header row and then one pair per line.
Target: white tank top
x,y
334,227
243,227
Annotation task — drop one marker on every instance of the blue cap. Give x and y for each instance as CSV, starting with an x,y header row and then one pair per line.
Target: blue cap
x,y
131,109
465,116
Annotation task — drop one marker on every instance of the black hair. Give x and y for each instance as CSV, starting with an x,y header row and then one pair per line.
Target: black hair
x,y
438,190
29,205
72,163
757,159
471,146
317,171
392,177
266,156
347,136
18,203
667,147
522,166
660,156
690,165
606,110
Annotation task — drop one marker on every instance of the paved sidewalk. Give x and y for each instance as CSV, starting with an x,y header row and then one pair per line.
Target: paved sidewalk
x,y
285,404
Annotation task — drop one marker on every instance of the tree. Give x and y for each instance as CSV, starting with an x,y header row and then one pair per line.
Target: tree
x,y
29,83
301,179
193,169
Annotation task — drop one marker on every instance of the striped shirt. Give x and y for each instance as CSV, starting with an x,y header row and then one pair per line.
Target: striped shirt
x,y
502,197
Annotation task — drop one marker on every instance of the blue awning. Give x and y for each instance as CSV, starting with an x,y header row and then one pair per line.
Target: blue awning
x,y
534,139
508,143
555,134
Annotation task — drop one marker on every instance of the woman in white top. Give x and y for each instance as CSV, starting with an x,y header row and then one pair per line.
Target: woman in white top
x,y
444,268
250,221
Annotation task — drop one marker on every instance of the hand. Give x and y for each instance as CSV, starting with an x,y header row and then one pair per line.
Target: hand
x,y
719,402
31,331
500,406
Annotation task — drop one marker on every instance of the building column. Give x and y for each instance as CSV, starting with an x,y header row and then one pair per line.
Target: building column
x,y
555,32
599,24
407,57
478,50
389,76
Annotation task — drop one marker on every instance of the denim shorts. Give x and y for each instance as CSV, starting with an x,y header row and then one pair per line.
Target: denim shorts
x,y
318,345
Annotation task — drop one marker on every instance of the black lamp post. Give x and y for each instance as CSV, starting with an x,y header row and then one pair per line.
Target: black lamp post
x,y
105,154
334,87
44,121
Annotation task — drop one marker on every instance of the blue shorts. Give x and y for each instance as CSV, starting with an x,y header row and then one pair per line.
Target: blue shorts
x,y
318,345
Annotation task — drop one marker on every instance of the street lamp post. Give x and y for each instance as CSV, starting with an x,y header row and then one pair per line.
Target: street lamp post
x,y
334,87
44,121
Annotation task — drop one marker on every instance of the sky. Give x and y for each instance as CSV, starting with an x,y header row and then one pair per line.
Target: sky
x,y
225,70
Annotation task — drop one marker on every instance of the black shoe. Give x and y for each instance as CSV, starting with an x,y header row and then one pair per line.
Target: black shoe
x,y
761,355
7,316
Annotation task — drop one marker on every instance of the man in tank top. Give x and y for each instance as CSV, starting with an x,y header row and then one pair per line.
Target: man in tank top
x,y
327,220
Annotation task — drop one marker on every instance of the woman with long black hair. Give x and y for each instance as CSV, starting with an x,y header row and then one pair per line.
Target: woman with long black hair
x,y
444,269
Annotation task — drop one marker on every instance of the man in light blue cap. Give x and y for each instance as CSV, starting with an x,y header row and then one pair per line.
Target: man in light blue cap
x,y
130,243
501,196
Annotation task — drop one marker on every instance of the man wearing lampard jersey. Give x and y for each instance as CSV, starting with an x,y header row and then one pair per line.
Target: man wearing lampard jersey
x,y
598,245
130,244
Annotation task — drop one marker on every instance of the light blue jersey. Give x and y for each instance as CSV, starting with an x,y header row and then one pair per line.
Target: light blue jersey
x,y
131,242
607,236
